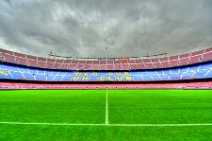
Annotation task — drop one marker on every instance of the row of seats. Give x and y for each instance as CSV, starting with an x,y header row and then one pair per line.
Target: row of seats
x,y
116,64
15,72
176,85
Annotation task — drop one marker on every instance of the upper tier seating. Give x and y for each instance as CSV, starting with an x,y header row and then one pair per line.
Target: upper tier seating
x,y
131,64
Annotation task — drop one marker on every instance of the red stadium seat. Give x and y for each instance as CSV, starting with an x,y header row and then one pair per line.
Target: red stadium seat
x,y
129,64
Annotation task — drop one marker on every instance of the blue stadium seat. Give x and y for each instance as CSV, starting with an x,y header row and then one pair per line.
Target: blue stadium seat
x,y
198,71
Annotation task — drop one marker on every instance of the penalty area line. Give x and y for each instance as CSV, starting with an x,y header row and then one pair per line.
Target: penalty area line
x,y
115,125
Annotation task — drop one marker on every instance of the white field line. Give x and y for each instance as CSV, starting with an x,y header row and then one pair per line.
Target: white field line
x,y
162,125
50,123
106,109
117,125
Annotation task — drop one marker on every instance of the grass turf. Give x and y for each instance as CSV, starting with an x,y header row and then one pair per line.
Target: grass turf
x,y
88,106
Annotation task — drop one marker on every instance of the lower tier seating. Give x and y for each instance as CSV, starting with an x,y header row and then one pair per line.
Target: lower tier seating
x,y
164,85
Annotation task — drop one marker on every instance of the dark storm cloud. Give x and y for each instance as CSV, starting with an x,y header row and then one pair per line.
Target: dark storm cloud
x,y
105,27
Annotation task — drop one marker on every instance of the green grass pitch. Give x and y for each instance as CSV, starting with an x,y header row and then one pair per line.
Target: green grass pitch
x,y
105,115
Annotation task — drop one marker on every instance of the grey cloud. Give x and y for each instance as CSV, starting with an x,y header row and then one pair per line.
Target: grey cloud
x,y
102,28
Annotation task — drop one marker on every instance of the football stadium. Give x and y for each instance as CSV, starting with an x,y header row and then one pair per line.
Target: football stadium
x,y
48,93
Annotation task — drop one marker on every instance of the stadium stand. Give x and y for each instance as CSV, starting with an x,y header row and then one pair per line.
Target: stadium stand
x,y
116,64
188,71
15,72
167,85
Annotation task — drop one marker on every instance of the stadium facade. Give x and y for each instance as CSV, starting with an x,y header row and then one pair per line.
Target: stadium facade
x,y
190,70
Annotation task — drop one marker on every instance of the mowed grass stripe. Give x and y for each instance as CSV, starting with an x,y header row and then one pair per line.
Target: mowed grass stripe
x,y
160,106
53,106
106,108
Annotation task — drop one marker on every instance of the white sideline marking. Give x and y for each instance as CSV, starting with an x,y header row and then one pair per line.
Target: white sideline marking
x,y
106,109
118,125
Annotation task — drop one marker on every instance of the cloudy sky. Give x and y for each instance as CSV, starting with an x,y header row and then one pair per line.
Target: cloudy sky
x,y
105,28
